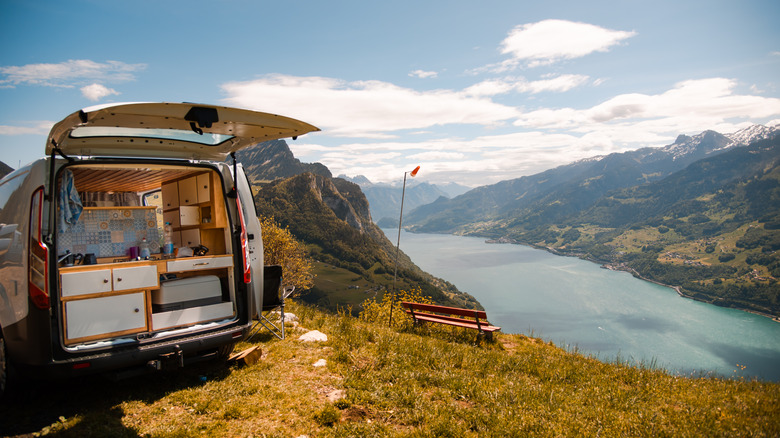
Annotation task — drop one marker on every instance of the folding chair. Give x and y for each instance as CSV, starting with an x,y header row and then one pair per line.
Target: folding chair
x,y
273,298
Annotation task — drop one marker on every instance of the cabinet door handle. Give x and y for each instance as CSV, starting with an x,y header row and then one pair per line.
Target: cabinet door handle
x,y
105,280
119,279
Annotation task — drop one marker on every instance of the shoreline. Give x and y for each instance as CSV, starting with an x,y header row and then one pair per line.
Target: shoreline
x,y
623,268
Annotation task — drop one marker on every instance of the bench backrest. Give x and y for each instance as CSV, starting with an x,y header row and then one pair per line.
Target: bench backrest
x,y
471,313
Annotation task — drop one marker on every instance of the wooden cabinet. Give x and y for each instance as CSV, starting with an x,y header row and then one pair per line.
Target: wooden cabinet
x,y
189,216
100,302
199,263
170,195
113,300
106,316
188,191
86,283
136,277
195,209
204,187
190,237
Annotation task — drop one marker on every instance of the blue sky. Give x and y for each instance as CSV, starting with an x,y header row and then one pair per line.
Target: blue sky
x,y
474,92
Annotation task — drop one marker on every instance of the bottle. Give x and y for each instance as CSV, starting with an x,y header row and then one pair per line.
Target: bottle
x,y
168,240
143,250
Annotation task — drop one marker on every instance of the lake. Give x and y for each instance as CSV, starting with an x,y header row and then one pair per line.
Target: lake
x,y
606,314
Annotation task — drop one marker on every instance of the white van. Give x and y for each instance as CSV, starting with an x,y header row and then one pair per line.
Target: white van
x,y
86,282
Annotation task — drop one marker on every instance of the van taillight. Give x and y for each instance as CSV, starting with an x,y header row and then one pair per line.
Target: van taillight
x,y
244,243
39,254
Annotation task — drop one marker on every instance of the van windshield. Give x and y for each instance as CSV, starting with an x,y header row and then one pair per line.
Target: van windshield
x,y
208,139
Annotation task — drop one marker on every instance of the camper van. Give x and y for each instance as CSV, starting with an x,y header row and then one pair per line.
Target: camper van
x,y
134,245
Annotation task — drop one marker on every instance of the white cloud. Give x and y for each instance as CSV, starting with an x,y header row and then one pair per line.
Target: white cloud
x,y
550,41
437,155
363,108
690,105
33,128
68,73
549,137
422,74
551,83
95,92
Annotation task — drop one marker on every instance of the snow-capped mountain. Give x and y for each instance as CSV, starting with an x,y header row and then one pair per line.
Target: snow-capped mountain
x,y
754,133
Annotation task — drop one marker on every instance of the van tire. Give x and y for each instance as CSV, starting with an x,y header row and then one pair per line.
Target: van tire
x,y
223,353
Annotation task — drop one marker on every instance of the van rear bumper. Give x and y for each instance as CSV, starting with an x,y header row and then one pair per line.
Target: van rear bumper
x,y
150,355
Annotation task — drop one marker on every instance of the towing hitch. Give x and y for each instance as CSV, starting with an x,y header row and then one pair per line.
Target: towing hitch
x,y
168,361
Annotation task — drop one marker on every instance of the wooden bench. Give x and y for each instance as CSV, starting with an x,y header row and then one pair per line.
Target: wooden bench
x,y
473,319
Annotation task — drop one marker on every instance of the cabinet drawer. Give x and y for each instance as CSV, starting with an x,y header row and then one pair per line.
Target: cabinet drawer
x,y
194,264
96,317
137,277
87,282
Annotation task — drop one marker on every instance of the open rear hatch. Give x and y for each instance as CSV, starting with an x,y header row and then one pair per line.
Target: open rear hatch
x,y
168,130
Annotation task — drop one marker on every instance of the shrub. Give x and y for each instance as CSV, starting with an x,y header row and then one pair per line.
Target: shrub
x,y
328,415
379,311
726,257
281,248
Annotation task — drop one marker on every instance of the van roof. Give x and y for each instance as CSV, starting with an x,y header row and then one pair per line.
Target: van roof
x,y
168,130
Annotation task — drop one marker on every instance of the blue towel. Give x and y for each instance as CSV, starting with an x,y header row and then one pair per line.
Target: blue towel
x,y
70,202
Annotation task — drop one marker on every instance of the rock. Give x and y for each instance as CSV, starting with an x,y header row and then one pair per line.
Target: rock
x,y
320,363
335,395
314,336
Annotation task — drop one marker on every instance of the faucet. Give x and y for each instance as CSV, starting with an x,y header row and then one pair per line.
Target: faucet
x,y
67,253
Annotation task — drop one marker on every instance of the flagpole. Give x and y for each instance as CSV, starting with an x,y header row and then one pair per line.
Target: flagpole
x,y
398,242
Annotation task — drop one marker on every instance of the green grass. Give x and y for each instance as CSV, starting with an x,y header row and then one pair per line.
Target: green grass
x,y
416,382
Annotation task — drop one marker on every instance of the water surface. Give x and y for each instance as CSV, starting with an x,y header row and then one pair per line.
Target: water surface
x,y
607,314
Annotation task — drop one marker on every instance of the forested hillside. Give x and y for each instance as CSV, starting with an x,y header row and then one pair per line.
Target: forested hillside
x,y
331,216
711,228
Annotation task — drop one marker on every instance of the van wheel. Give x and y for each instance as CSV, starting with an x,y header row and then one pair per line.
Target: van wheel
x,y
223,353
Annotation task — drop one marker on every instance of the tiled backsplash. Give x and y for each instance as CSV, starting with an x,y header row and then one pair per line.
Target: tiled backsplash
x,y
109,232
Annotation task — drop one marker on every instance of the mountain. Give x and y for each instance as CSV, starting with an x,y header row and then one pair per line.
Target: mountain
x,y
564,190
5,169
331,216
270,160
701,214
385,199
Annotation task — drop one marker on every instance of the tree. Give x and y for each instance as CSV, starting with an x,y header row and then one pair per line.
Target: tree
x,y
281,248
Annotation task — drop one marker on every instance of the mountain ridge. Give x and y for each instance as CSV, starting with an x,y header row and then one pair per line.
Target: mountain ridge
x,y
705,220
589,179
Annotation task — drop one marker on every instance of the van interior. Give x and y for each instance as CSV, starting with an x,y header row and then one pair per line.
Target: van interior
x,y
112,289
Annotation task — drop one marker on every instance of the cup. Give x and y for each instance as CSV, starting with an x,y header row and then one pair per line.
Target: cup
x,y
133,251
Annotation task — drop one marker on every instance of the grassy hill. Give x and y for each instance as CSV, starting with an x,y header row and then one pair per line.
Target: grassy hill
x,y
403,382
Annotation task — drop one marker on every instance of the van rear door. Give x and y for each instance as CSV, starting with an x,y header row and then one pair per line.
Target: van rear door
x,y
168,130
254,235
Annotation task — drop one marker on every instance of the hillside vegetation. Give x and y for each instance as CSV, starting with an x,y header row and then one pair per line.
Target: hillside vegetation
x,y
331,217
710,228
405,382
